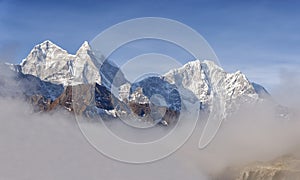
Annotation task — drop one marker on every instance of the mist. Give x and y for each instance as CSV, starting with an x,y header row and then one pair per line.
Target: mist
x,y
43,146
287,90
257,133
51,145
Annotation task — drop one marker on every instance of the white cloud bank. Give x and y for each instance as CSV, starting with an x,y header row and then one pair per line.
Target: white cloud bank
x,y
51,146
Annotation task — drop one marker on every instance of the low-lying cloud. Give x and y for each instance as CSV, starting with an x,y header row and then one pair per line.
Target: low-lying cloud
x,y
51,146
43,146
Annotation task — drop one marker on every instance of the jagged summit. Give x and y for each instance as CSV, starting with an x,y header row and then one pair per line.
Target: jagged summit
x,y
51,63
47,44
40,51
84,48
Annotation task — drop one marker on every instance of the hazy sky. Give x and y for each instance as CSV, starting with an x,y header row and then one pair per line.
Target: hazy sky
x,y
260,38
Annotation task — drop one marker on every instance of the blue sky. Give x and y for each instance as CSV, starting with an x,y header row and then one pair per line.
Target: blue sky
x,y
260,38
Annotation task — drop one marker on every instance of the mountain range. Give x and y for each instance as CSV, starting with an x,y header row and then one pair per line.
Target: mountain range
x,y
50,78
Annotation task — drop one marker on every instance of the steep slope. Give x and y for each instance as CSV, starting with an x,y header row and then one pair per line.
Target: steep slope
x,y
15,84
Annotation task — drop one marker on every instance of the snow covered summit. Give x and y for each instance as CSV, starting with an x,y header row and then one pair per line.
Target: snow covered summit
x,y
51,63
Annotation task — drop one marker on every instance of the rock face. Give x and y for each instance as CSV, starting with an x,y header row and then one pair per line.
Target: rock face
x,y
85,99
285,167
155,98
146,102
158,91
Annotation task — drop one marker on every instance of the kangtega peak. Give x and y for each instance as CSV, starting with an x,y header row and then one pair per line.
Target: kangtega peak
x,y
51,63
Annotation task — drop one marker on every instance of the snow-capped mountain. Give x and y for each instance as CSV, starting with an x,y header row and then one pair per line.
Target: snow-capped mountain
x,y
207,81
51,63
197,81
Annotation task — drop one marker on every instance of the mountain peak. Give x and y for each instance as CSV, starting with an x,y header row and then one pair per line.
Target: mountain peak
x,y
47,44
203,64
193,63
43,50
84,48
212,65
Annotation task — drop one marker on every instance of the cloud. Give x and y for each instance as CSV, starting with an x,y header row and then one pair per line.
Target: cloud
x,y
51,146
43,146
256,133
287,92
